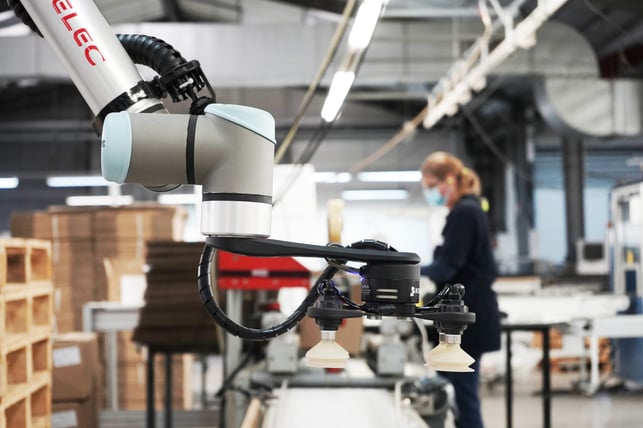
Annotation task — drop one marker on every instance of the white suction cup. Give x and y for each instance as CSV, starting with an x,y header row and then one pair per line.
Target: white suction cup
x,y
448,356
327,353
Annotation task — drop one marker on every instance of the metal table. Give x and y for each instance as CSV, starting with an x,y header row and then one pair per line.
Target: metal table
x,y
110,318
619,326
544,328
167,351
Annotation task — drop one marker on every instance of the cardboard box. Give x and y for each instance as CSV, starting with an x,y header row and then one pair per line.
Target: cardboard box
x,y
132,387
140,222
76,367
50,225
75,414
125,279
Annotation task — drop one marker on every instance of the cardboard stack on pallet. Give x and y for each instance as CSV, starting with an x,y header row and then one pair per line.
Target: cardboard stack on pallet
x,y
84,239
95,252
132,381
72,259
26,308
171,288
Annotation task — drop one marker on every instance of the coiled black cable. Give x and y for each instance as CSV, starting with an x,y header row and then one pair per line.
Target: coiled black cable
x,y
247,333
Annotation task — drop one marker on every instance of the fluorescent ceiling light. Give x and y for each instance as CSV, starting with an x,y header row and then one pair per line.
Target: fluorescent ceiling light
x,y
9,182
179,199
333,177
77,181
84,201
364,25
375,195
390,176
339,87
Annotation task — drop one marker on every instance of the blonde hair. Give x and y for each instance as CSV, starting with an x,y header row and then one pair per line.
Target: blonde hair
x,y
443,164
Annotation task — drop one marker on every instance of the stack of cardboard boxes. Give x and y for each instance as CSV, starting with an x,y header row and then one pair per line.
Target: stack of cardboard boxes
x,y
94,252
171,288
132,379
72,258
85,239
77,381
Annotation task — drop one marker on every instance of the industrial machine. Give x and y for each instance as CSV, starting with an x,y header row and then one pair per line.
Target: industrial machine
x,y
229,151
626,213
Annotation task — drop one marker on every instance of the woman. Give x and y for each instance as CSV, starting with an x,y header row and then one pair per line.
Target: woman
x,y
465,257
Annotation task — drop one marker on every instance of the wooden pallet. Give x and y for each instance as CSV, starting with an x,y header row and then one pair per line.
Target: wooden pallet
x,y
25,310
24,261
26,314
23,359
29,405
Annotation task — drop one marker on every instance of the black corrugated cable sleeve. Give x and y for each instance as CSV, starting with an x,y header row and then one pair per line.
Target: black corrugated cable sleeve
x,y
152,52
217,314
20,12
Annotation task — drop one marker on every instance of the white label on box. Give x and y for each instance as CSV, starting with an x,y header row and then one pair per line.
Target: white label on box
x,y
64,419
69,356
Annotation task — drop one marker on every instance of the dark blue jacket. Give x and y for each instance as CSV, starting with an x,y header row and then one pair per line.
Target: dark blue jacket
x,y
466,257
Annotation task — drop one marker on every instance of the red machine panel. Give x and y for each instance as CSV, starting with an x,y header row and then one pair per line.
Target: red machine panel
x,y
260,273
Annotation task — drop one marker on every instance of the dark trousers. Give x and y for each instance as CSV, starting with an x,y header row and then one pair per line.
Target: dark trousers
x,y
467,396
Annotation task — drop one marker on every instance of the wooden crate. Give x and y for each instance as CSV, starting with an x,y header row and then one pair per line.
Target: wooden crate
x,y
42,309
24,261
28,406
17,315
15,415
39,261
23,359
41,355
2,318
25,311
16,366
40,404
3,266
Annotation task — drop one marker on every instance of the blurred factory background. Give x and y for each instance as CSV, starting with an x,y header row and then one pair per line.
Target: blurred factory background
x,y
542,98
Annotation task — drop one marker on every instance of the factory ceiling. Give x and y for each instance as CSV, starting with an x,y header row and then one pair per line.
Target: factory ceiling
x,y
613,28
416,43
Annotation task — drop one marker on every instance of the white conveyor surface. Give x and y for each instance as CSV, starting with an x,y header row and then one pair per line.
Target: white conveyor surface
x,y
339,408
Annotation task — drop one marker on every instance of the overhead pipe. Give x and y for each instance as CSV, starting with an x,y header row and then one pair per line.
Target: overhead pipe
x,y
465,76
470,73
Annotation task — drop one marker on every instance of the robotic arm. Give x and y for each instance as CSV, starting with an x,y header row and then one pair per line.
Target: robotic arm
x,y
229,150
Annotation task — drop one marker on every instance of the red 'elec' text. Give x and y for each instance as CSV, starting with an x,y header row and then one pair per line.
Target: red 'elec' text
x,y
81,35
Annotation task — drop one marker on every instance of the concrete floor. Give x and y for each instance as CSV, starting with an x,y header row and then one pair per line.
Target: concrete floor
x,y
570,408
614,408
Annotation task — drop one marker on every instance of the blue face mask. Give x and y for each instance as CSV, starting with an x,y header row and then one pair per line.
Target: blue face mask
x,y
433,197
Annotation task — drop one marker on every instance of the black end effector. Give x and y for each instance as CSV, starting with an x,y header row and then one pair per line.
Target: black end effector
x,y
390,289
185,81
450,315
372,252
329,311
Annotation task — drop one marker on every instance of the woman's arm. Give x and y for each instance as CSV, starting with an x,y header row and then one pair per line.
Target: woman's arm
x,y
459,236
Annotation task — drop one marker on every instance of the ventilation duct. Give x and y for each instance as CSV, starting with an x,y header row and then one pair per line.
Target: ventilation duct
x,y
570,96
594,107
568,93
